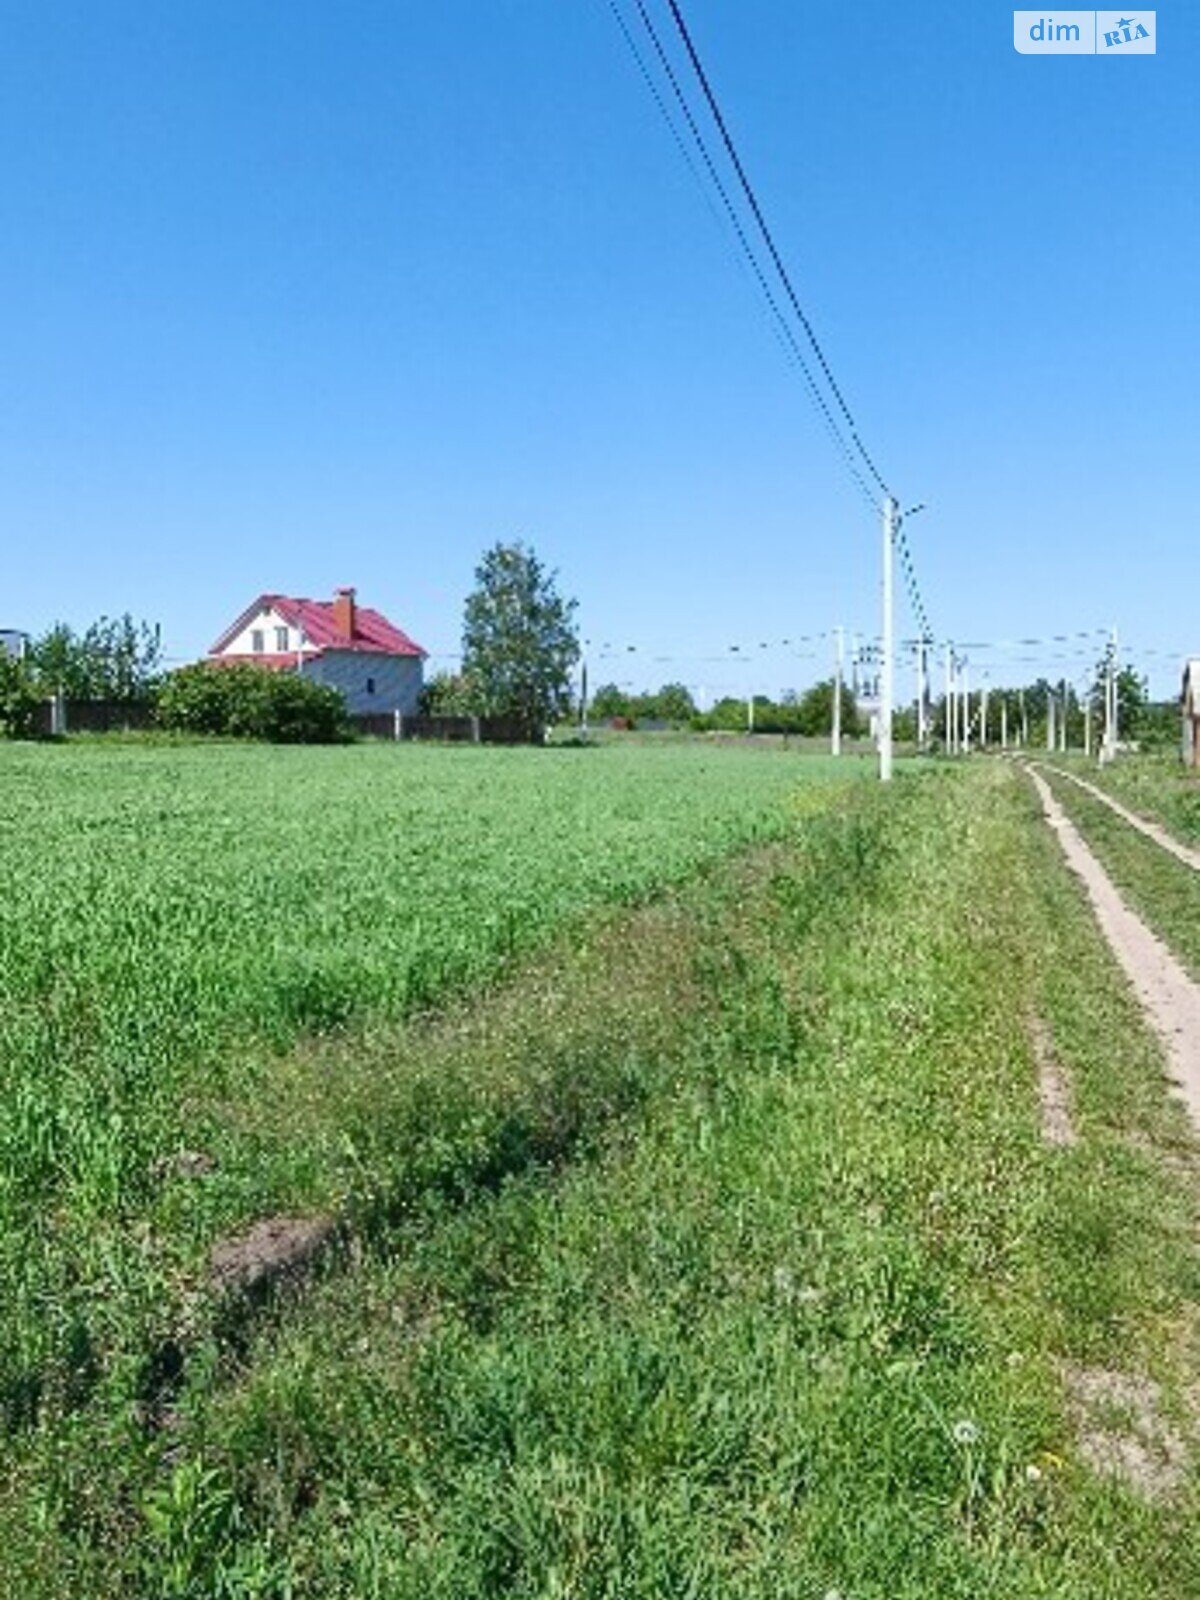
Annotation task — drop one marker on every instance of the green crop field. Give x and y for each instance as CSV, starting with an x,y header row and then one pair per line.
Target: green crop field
x,y
173,916
574,1173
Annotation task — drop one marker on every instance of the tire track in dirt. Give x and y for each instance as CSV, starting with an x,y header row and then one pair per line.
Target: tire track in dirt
x,y
1168,996
1152,830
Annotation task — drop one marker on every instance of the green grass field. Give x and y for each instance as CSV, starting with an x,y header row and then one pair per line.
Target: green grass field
x,y
669,1117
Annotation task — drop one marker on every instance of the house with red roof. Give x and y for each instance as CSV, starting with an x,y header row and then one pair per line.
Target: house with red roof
x,y
375,664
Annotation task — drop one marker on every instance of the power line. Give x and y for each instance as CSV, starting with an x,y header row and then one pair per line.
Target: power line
x,y
780,324
752,200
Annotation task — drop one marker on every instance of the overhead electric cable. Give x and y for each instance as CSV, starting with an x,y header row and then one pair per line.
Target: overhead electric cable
x,y
780,323
768,238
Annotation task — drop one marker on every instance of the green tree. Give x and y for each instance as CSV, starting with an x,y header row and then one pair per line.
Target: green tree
x,y
115,659
519,639
18,699
610,701
672,703
448,694
814,711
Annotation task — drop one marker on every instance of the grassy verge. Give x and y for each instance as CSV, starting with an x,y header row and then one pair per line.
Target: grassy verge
x,y
795,1308
1164,891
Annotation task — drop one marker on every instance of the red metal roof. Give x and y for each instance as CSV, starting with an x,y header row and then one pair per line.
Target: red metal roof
x,y
372,630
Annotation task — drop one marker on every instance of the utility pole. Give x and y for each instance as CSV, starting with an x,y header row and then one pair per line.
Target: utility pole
x,y
948,702
1004,722
885,677
583,698
1050,737
966,724
835,742
983,726
1087,726
1108,748
1024,723
921,693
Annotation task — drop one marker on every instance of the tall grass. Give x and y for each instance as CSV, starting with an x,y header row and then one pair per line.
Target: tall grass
x,y
767,1291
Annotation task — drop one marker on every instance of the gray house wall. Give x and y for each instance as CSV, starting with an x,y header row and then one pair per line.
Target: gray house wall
x,y
397,680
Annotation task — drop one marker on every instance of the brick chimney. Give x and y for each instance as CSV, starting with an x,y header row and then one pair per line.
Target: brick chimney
x,y
343,613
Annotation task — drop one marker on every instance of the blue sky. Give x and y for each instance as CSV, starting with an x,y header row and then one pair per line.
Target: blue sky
x,y
302,295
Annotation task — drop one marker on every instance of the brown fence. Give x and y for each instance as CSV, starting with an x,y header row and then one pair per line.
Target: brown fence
x,y
92,716
446,730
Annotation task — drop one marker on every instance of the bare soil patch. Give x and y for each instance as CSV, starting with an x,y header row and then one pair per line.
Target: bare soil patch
x,y
275,1249
1122,1432
1054,1087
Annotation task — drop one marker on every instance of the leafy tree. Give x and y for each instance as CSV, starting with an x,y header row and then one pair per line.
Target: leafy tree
x,y
19,699
672,703
814,712
115,659
610,701
448,694
519,639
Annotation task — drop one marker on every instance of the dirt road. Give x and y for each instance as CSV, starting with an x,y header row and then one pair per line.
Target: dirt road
x,y
1170,998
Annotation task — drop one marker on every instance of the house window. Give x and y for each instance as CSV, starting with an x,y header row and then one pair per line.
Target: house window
x,y
256,641
370,685
281,639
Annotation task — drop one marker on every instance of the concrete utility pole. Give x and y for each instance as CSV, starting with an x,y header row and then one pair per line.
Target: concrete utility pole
x,y
1050,735
921,693
583,697
1024,723
835,741
1004,722
966,724
1108,748
983,726
1087,726
948,702
885,676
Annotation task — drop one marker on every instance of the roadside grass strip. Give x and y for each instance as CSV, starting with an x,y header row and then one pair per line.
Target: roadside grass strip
x,y
1158,787
743,1271
1164,891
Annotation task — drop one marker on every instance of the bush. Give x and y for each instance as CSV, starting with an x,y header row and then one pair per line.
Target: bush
x,y
18,699
249,702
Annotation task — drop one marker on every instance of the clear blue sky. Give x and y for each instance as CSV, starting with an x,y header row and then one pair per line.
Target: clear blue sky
x,y
302,294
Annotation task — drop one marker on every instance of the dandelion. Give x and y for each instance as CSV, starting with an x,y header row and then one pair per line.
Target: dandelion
x,y
965,1432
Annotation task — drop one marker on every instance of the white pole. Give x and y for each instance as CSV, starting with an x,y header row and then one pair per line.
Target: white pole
x,y
1004,722
1109,719
983,718
966,678
948,708
1116,711
1050,721
921,694
885,681
1087,726
835,742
